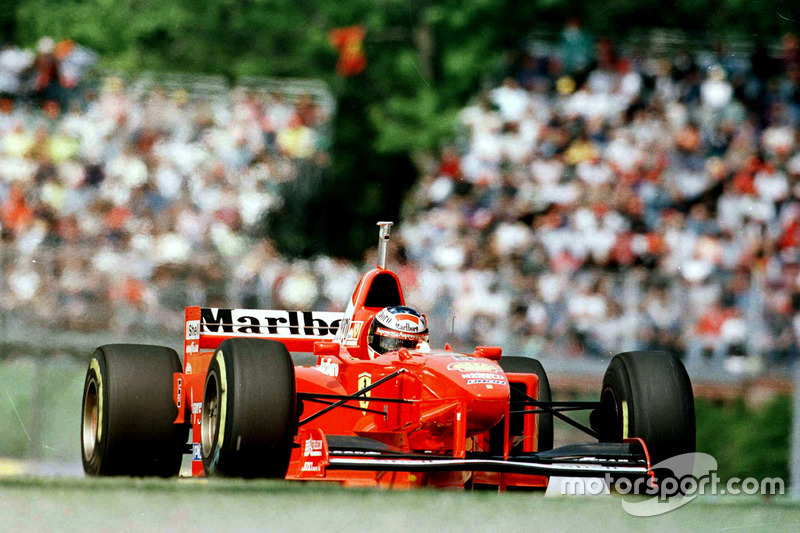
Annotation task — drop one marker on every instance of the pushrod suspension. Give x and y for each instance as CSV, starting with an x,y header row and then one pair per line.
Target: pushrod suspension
x,y
545,407
345,406
357,395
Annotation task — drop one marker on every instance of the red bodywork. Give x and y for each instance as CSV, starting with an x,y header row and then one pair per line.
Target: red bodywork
x,y
458,402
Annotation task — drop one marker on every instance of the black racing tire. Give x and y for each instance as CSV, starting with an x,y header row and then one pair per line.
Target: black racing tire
x,y
249,413
128,413
528,365
648,395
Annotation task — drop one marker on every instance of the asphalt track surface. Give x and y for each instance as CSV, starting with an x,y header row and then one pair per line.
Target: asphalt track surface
x,y
30,503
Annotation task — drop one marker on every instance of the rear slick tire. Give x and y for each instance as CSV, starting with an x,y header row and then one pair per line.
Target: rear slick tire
x,y
249,413
128,413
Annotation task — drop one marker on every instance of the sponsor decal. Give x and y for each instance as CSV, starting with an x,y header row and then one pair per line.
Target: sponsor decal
x,y
481,375
328,367
364,380
188,368
180,396
463,358
399,334
486,382
344,328
192,330
410,328
197,455
193,347
313,324
197,409
407,322
313,448
473,366
353,333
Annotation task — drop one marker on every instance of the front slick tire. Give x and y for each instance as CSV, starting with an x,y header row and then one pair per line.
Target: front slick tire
x,y
128,412
649,395
249,410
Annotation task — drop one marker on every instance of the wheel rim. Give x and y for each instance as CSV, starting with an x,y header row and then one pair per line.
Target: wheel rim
x,y
91,414
210,417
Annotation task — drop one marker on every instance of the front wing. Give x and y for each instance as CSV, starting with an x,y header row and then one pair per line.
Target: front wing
x,y
321,453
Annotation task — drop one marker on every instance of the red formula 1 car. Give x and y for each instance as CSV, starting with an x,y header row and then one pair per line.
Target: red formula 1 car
x,y
380,407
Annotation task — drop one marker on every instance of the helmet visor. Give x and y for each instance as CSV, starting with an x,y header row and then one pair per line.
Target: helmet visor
x,y
389,344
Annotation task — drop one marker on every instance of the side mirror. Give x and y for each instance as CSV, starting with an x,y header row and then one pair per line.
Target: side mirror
x,y
488,352
326,348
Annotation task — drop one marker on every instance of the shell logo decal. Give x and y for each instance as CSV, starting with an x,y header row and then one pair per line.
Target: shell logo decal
x,y
472,366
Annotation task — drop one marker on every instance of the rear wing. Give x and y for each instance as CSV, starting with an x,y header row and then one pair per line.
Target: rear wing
x,y
206,327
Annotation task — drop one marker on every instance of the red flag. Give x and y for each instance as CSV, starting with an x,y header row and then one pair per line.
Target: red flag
x,y
349,42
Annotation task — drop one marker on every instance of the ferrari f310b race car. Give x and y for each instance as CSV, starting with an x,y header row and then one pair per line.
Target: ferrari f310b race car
x,y
404,416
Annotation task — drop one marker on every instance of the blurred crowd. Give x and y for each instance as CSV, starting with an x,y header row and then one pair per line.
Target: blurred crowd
x,y
133,201
51,73
599,201
596,200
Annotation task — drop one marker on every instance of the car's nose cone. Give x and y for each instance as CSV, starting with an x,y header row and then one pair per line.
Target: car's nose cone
x,y
480,383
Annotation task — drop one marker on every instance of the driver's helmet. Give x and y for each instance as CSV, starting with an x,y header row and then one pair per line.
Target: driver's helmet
x,y
397,327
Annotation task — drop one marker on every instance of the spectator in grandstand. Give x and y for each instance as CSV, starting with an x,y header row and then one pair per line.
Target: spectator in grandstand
x,y
74,62
149,189
14,61
47,72
577,47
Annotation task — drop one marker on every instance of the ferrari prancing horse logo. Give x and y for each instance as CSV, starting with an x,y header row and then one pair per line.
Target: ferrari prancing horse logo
x,y
364,380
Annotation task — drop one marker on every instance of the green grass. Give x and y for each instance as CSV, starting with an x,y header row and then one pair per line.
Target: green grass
x,y
128,504
40,404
